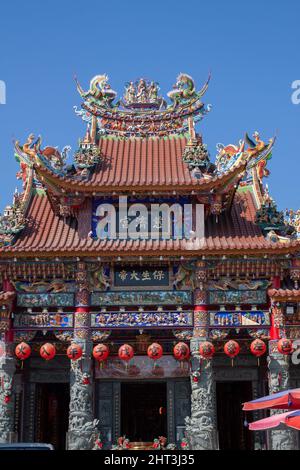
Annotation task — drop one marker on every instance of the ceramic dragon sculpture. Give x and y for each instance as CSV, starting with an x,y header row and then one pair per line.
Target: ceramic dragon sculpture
x,y
99,93
184,90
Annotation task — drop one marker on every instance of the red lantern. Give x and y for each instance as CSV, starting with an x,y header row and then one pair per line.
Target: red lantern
x,y
232,348
207,350
126,352
74,352
101,352
23,351
181,351
285,346
7,399
47,351
155,351
258,347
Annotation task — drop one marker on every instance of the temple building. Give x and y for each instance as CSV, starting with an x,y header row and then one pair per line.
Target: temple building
x,y
120,323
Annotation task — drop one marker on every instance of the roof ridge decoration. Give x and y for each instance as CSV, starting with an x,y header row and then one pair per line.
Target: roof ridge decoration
x,y
141,112
272,221
13,220
256,154
292,218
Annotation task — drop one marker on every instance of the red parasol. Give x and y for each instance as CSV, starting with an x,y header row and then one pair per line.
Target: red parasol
x,y
290,419
287,399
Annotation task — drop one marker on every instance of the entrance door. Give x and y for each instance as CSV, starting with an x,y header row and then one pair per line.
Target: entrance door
x,y
232,432
144,410
52,411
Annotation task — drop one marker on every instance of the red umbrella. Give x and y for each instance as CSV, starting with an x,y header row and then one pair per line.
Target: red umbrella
x,y
290,419
287,399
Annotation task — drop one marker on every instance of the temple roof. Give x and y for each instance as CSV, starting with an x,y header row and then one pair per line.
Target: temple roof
x,y
139,164
142,146
48,234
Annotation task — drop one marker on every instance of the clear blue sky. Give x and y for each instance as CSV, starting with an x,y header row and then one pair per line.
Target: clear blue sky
x,y
252,49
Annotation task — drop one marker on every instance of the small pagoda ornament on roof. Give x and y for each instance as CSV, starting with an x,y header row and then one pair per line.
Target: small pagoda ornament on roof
x,y
88,154
13,221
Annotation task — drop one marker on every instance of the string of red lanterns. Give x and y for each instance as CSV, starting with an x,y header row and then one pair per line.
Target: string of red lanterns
x,y
181,351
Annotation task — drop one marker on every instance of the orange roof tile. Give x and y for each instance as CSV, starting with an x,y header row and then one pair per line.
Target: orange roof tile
x,y
48,233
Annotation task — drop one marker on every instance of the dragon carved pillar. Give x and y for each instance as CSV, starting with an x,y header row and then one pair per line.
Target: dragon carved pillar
x,y
7,365
82,432
201,426
278,379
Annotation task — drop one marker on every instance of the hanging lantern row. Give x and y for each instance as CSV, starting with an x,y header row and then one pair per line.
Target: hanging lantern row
x,y
181,351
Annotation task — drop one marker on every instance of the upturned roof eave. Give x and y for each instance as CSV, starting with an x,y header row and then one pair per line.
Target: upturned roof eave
x,y
87,187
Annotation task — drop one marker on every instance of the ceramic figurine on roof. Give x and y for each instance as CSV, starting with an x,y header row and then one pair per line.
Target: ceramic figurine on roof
x,y
271,220
88,153
31,153
292,218
12,222
255,153
196,156
142,94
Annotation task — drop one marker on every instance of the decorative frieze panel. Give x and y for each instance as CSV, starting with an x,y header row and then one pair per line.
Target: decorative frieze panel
x,y
43,320
253,297
145,297
142,319
62,299
239,318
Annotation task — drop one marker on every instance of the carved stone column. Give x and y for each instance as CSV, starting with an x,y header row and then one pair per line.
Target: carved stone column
x,y
82,431
278,378
201,426
7,366
7,370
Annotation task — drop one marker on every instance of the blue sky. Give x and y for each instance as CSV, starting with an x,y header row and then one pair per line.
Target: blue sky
x,y
252,49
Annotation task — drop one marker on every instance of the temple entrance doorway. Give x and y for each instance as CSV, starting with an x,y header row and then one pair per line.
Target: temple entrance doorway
x,y
52,414
232,432
143,410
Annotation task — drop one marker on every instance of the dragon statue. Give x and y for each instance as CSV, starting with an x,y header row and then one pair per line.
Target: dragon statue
x,y
184,90
99,93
